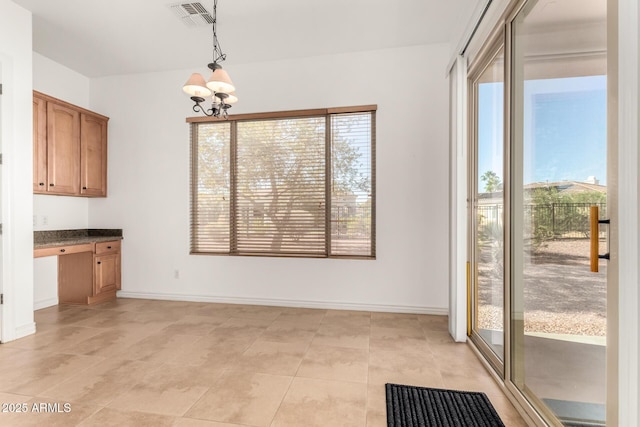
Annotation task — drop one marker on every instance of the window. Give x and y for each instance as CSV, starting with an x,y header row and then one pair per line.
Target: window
x,y
298,183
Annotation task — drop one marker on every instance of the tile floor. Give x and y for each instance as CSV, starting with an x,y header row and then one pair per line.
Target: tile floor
x,y
162,363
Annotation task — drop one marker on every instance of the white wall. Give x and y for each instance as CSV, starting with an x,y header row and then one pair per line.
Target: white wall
x,y
60,82
59,212
16,192
149,182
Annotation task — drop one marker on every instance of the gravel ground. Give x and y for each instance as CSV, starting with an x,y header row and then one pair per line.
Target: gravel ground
x,y
561,295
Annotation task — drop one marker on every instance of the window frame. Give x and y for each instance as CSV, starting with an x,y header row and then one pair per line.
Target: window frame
x,y
233,120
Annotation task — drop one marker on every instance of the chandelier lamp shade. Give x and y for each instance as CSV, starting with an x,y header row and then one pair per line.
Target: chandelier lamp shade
x,y
219,86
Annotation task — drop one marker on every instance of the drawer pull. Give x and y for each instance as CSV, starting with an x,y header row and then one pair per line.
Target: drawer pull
x,y
99,262
63,250
84,188
108,247
50,185
41,184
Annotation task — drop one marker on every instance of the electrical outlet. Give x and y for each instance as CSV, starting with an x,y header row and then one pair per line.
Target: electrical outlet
x,y
176,274
45,220
35,220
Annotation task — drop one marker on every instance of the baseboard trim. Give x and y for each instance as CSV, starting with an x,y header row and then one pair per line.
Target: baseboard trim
x,y
44,303
25,330
288,303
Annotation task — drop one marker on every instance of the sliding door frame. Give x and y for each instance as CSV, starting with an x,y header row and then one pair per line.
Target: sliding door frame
x,y
501,36
483,60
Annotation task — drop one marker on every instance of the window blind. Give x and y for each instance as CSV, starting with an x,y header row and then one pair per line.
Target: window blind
x,y
210,187
299,183
352,184
280,179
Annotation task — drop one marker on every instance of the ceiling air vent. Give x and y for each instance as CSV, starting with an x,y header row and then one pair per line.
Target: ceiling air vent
x,y
192,14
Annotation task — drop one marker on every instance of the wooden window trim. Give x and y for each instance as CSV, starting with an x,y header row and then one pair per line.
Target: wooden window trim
x,y
292,114
286,114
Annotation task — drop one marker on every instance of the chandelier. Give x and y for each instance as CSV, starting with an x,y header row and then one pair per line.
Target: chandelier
x,y
219,85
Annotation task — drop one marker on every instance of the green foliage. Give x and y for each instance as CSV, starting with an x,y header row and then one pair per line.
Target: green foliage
x,y
555,214
492,182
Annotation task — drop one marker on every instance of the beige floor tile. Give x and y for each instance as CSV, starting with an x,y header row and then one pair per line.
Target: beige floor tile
x,y
395,320
248,323
403,368
311,402
106,319
433,323
347,318
220,351
507,412
335,363
194,325
343,335
56,340
303,315
216,310
376,406
193,364
438,337
100,384
111,342
191,422
257,312
403,340
275,358
158,347
288,331
63,315
242,398
108,417
30,372
14,398
50,413
169,390
125,304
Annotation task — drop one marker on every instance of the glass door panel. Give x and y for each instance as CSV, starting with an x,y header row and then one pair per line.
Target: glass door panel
x,y
487,210
558,171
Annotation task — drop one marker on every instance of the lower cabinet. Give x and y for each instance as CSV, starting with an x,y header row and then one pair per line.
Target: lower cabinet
x,y
106,271
87,274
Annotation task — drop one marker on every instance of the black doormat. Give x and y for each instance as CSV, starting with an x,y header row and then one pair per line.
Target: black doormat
x,y
409,406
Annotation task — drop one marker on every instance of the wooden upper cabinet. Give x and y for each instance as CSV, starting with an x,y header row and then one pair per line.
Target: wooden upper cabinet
x,y
69,149
63,149
39,145
93,157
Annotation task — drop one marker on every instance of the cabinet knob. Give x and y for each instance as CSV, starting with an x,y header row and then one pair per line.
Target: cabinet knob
x,y
42,183
63,250
84,188
99,262
50,185
108,247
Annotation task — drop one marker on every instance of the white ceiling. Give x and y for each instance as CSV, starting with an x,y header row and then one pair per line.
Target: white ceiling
x,y
107,37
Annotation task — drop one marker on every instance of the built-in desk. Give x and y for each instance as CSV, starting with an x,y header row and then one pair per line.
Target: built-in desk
x,y
88,263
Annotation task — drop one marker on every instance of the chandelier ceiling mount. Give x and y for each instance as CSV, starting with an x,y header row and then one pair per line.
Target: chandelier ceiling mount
x,y
219,86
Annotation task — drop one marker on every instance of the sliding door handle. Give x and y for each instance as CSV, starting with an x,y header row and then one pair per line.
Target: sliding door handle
x,y
594,234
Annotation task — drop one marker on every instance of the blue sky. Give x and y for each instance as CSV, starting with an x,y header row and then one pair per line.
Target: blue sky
x,y
564,129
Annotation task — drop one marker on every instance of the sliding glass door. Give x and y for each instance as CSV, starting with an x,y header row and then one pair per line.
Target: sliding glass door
x,y
559,171
487,206
538,192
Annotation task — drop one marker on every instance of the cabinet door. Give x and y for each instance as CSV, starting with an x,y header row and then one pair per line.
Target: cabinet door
x,y
93,155
107,273
39,145
63,149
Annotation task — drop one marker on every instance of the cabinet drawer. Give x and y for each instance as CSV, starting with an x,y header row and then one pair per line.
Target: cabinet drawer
x,y
108,247
63,250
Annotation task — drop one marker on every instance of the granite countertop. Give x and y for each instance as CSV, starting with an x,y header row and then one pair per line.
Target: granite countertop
x,y
48,239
